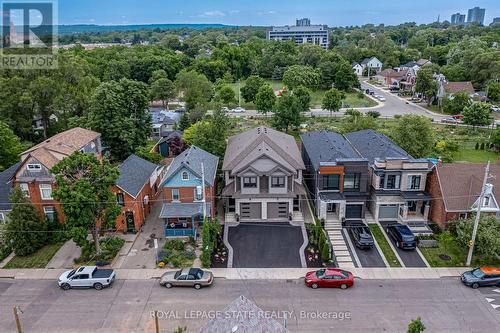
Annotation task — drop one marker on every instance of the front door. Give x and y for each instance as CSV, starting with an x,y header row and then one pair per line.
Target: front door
x,y
129,218
412,207
330,207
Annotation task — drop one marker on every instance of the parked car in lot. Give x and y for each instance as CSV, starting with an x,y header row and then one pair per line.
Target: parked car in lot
x,y
402,236
225,109
451,120
86,277
369,92
381,98
482,276
239,109
187,277
495,108
362,236
329,278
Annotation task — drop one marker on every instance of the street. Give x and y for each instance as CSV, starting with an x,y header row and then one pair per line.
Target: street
x,y
445,305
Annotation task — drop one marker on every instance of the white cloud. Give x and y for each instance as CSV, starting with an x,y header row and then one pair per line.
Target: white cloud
x,y
212,13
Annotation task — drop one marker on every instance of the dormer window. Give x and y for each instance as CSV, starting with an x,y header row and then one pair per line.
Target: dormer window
x,y
486,201
34,167
185,175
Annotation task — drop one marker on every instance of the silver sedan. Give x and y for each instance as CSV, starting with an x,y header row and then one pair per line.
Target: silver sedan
x,y
187,277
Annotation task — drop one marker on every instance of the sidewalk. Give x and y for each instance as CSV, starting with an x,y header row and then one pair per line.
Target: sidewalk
x,y
253,273
64,258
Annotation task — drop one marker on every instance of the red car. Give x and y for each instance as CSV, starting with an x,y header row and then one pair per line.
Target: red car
x,y
329,278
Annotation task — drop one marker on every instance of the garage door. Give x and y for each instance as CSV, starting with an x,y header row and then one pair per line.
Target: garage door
x,y
353,211
388,212
277,210
250,210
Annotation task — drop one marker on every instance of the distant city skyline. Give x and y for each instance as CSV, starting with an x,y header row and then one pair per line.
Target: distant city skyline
x,y
265,13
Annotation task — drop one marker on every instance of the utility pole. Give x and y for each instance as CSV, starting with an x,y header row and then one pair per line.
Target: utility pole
x,y
18,320
203,189
157,323
239,94
478,215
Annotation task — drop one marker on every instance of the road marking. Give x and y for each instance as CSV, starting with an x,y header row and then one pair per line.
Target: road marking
x,y
496,290
489,300
495,306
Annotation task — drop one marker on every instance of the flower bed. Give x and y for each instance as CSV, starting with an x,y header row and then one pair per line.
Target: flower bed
x,y
110,246
178,252
219,254
317,252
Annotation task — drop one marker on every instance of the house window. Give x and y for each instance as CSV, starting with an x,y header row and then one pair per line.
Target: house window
x,y
351,181
185,175
25,189
278,182
175,194
250,182
414,182
50,213
331,182
46,191
462,216
391,181
198,194
120,199
33,167
486,201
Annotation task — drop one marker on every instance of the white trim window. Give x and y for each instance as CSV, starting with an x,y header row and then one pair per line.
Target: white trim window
x,y
34,167
198,193
278,181
176,194
25,189
185,175
50,212
414,182
46,191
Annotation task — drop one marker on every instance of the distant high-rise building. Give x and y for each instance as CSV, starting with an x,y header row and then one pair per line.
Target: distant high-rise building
x,y
496,21
302,33
304,22
476,15
458,18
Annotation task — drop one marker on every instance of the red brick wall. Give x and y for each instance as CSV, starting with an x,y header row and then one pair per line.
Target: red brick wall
x,y
186,194
437,211
36,199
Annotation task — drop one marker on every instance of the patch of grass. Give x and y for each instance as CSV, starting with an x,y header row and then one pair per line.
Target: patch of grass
x,y
356,101
110,246
39,259
389,254
458,256
475,156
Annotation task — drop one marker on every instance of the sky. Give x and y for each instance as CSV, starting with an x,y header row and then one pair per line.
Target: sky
x,y
266,12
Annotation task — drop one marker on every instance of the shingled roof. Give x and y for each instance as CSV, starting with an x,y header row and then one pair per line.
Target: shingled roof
x,y
5,187
134,173
454,87
192,159
461,184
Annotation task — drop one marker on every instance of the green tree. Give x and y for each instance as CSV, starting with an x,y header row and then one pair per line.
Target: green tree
x,y
118,110
416,326
287,112
332,100
487,243
414,134
251,88
83,189
184,122
196,89
426,85
44,91
10,147
298,75
358,122
209,134
162,89
304,96
226,95
265,99
494,91
456,103
477,114
345,78
171,41
26,231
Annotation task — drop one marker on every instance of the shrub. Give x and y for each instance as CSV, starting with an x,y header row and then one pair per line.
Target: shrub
x,y
325,253
482,145
373,114
353,112
477,146
175,244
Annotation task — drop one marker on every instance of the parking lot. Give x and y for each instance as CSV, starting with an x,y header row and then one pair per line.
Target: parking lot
x,y
410,258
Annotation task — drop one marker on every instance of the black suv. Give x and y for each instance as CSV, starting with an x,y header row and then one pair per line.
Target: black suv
x,y
362,236
402,235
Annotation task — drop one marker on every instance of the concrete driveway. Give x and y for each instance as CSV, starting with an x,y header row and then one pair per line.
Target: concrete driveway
x,y
265,245
366,258
410,258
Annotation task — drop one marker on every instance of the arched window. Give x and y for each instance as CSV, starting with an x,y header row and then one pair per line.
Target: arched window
x,y
185,175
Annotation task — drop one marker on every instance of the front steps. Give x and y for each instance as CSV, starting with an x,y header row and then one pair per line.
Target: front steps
x,y
340,249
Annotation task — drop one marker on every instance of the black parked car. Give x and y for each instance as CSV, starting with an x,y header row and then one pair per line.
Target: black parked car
x,y
362,236
480,277
402,235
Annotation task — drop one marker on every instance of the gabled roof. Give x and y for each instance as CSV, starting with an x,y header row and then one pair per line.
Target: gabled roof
x,y
423,62
461,184
354,64
192,159
454,87
389,72
246,145
326,146
375,145
49,152
5,187
410,64
367,60
134,173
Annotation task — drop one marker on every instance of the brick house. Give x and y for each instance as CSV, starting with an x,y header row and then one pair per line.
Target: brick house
x,y
455,189
136,190
33,174
182,188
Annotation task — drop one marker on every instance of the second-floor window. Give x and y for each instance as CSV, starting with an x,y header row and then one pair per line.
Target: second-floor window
x,y
46,191
250,182
185,175
34,167
278,182
120,199
175,194
25,189
198,194
389,182
50,213
414,182
351,181
331,182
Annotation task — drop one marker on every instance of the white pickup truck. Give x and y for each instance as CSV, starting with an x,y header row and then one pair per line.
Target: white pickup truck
x,y
86,277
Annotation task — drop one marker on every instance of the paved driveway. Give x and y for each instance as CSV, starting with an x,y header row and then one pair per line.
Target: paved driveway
x,y
367,258
410,258
263,245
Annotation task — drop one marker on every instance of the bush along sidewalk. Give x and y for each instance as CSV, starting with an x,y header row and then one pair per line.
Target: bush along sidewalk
x,y
178,252
211,236
110,246
386,248
318,252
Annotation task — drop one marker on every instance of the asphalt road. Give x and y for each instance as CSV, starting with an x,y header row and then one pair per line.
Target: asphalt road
x,y
445,305
410,258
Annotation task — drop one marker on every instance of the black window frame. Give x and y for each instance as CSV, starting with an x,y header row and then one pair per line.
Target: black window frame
x,y
328,180
412,182
356,181
122,197
280,181
248,183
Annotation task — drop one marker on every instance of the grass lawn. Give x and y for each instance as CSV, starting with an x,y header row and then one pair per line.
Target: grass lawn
x,y
458,256
475,156
39,259
389,254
